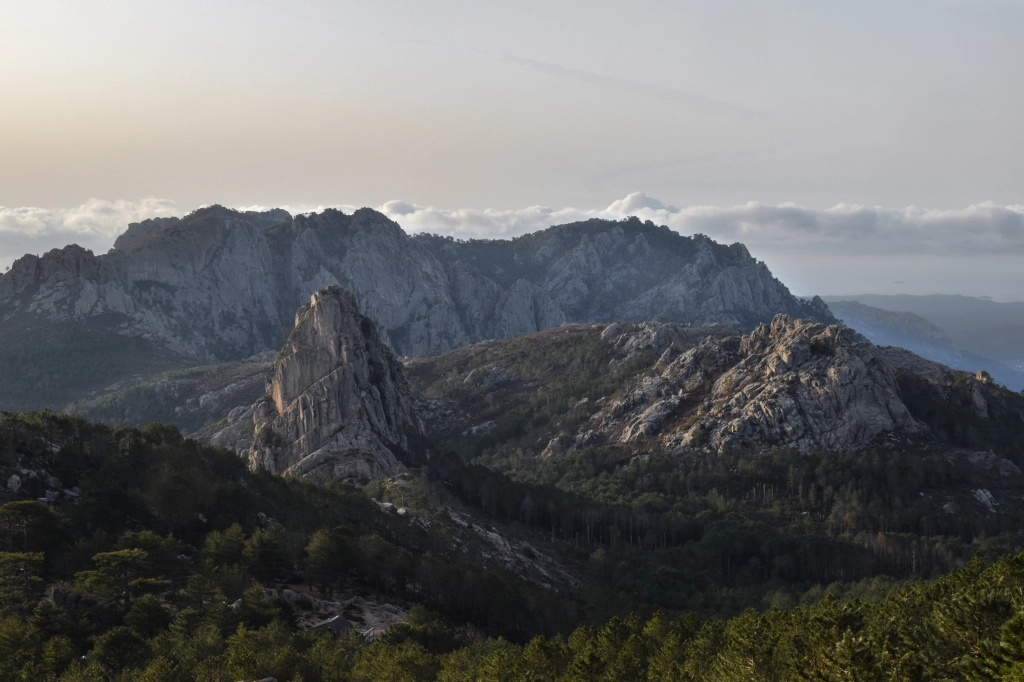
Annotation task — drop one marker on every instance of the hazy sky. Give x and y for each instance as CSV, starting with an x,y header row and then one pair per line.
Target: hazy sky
x,y
782,124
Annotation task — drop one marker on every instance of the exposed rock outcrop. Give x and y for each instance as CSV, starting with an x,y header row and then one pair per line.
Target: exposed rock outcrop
x,y
338,406
486,545
791,383
600,271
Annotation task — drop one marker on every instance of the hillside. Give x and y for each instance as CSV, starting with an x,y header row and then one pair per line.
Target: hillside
x,y
794,453
795,447
791,384
601,271
986,328
221,285
903,329
207,571
192,398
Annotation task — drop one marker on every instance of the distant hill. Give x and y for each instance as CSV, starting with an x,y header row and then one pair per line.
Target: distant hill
x,y
679,389
915,333
984,334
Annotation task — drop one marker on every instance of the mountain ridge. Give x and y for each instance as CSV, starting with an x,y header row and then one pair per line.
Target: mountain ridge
x,y
679,389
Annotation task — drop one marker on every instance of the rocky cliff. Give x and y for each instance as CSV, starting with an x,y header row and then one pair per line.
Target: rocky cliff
x,y
337,404
222,285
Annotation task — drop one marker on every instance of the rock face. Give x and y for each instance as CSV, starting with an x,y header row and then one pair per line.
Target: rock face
x,y
629,271
473,536
338,406
792,383
222,285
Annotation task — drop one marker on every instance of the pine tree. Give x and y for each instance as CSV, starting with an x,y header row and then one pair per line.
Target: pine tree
x,y
21,582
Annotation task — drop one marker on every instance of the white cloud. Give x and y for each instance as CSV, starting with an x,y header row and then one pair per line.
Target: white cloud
x,y
94,218
977,229
841,250
296,209
638,201
93,225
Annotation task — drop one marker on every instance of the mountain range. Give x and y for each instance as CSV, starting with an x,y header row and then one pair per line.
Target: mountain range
x,y
221,285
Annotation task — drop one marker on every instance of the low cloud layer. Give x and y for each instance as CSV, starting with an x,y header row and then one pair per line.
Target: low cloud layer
x,y
844,249
95,218
868,230
94,225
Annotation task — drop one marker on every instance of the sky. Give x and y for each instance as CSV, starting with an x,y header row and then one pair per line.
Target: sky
x,y
854,146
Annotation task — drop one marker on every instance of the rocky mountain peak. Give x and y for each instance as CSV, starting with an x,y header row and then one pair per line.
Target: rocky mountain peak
x,y
337,404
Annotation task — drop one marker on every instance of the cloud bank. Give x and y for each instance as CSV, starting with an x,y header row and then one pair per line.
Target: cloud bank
x,y
94,218
845,228
93,225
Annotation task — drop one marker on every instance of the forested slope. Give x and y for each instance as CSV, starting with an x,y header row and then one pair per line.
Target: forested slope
x,y
203,571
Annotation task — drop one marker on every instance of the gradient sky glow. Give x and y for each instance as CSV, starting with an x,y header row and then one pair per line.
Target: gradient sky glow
x,y
475,106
